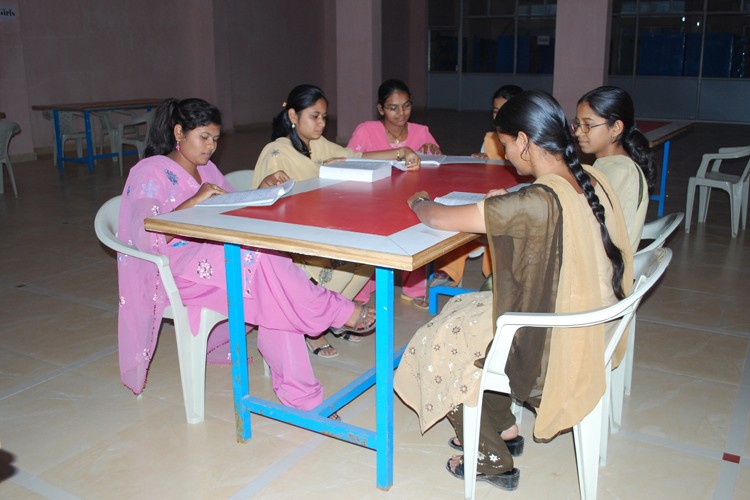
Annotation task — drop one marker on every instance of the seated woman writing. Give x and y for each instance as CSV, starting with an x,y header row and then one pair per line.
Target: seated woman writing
x,y
605,127
177,173
299,149
563,233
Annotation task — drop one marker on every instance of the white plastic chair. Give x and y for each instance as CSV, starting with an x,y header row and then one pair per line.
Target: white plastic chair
x,y
589,435
67,132
7,130
134,132
191,349
108,129
240,179
737,186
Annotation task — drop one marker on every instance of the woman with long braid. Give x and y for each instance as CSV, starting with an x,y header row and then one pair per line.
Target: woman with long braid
x,y
559,245
605,127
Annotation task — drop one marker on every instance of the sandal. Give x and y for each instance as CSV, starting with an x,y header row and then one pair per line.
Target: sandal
x,y
419,301
317,351
506,481
348,336
360,327
515,445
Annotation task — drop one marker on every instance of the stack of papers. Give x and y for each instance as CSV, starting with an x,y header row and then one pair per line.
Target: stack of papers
x,y
356,169
462,198
437,160
253,198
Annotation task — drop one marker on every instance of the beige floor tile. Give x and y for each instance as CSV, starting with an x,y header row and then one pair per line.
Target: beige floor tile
x,y
690,352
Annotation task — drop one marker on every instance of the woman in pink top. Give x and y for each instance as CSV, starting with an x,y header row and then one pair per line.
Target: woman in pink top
x,y
177,173
394,130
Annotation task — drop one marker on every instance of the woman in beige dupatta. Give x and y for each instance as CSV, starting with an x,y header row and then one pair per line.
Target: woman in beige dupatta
x,y
559,245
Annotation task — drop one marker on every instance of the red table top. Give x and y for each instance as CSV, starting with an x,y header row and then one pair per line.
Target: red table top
x,y
382,204
649,125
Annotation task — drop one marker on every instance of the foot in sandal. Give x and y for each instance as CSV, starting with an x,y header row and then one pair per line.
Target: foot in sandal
x,y
319,346
360,322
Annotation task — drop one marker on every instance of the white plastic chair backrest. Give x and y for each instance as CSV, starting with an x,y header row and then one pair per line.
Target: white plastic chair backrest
x,y
240,179
714,160
7,130
659,230
135,123
105,225
66,122
648,268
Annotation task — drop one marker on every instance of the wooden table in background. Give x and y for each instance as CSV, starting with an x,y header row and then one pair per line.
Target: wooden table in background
x,y
657,133
87,108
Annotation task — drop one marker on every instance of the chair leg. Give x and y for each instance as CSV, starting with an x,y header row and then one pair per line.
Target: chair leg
x,y
689,203
617,397
704,196
11,177
191,351
745,196
586,437
735,202
471,447
517,409
629,355
606,412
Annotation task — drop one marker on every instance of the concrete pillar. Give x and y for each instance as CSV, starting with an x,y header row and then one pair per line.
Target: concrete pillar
x,y
358,62
582,32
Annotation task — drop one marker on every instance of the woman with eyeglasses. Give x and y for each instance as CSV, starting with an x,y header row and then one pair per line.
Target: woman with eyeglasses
x,y
558,246
393,130
605,127
299,149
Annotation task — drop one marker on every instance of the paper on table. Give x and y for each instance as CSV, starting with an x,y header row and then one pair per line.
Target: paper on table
x,y
437,160
252,198
463,198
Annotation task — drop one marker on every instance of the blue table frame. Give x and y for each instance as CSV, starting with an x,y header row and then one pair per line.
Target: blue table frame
x,y
401,251
664,135
87,109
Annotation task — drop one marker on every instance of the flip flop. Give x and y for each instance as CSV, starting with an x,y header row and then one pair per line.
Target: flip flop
x,y
318,350
419,301
348,336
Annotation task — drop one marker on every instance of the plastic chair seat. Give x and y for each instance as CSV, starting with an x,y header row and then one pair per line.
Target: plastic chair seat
x,y
191,349
590,434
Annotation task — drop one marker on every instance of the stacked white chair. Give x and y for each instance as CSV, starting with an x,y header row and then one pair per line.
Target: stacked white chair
x,y
134,132
7,130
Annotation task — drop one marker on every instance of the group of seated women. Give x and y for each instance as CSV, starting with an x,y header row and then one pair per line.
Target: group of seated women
x,y
593,213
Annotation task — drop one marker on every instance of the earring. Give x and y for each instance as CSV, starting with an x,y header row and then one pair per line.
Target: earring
x,y
177,146
294,126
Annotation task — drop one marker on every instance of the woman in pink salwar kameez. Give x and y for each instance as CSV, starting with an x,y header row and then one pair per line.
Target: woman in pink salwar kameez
x,y
278,297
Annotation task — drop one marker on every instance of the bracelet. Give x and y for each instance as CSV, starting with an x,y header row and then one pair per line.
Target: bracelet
x,y
398,154
421,198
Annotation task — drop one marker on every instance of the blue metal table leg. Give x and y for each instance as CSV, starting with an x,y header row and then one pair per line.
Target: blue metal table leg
x,y
58,140
384,376
661,197
237,344
89,143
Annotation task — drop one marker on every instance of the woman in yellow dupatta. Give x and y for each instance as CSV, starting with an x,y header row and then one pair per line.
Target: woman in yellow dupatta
x,y
558,245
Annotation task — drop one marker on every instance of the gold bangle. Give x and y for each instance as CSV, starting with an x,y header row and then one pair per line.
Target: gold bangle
x,y
398,154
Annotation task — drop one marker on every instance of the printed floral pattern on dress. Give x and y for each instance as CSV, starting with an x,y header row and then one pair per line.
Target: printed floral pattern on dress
x,y
178,243
150,189
249,259
205,269
274,152
171,176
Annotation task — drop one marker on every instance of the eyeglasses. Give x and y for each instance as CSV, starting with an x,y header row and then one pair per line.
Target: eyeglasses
x,y
395,107
585,127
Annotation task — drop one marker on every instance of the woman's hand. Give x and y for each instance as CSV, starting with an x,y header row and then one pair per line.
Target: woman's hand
x,y
276,178
430,149
416,196
479,155
206,191
411,159
333,160
496,192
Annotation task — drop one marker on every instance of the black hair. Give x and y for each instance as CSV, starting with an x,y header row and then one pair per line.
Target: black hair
x,y
389,87
189,113
541,118
506,92
612,104
300,98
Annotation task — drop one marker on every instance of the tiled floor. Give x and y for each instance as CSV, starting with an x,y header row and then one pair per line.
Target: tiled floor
x,y
69,429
